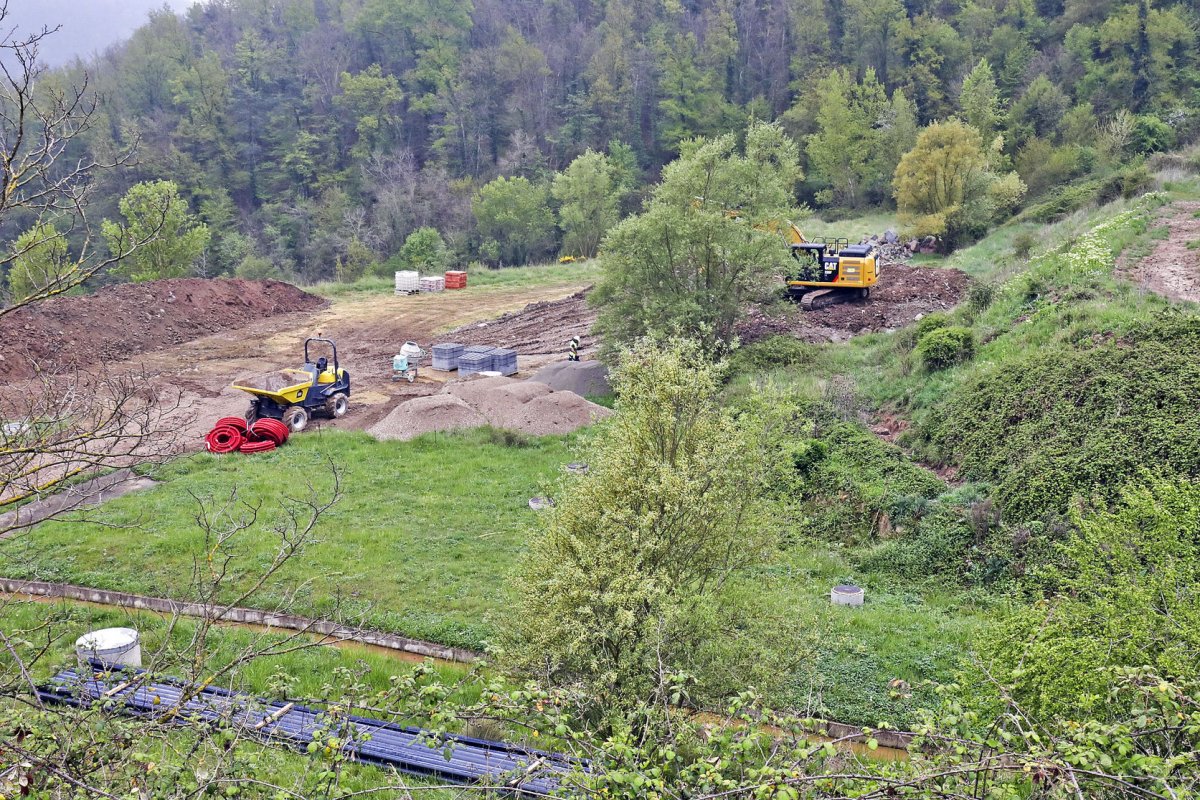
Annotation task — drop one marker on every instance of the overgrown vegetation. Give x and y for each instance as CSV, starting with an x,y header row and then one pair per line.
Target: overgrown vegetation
x,y
619,589
706,242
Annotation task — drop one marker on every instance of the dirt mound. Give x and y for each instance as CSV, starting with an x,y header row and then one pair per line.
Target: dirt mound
x,y
438,412
904,292
539,328
588,378
118,322
525,406
1173,269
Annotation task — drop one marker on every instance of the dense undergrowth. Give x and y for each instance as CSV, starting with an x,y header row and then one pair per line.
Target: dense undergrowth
x,y
1052,388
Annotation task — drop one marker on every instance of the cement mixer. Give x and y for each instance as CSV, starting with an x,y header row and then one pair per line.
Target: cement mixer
x,y
405,363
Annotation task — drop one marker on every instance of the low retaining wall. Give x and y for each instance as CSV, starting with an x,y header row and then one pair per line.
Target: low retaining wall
x,y
248,616
897,740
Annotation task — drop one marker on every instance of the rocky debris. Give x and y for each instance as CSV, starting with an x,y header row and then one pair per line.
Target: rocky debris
x,y
892,250
903,295
537,329
118,322
525,406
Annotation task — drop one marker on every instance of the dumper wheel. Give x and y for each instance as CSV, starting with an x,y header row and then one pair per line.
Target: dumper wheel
x,y
336,406
296,418
251,414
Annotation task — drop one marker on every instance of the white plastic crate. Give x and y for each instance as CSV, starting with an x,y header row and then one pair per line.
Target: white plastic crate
x,y
408,281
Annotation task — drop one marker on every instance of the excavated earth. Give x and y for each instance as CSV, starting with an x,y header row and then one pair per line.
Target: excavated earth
x,y
118,322
539,328
1173,269
904,293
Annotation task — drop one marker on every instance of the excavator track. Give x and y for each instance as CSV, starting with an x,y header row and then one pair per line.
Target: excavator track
x,y
824,298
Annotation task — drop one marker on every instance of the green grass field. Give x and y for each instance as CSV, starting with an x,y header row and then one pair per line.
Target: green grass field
x,y
507,277
312,672
426,537
421,543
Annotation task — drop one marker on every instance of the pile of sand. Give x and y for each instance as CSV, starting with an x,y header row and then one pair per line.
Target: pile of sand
x,y
580,377
525,406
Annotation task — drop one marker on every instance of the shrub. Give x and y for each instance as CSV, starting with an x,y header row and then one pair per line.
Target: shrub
x,y
1023,245
1057,423
1065,201
256,267
945,347
849,479
772,353
931,322
980,295
1122,595
1151,135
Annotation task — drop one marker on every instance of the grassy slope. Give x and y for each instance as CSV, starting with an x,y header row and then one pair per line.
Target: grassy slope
x,y
422,540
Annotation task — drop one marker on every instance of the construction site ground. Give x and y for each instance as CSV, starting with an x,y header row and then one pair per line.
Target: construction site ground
x,y
193,338
192,352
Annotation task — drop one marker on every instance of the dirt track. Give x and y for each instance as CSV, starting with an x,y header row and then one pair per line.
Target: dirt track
x,y
368,330
1173,269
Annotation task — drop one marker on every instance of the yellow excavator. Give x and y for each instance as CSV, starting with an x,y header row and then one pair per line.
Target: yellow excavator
x,y
830,271
827,271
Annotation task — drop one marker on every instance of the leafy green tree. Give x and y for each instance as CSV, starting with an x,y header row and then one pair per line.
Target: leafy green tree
x,y
1122,594
155,209
671,507
371,99
841,152
872,26
709,238
39,263
589,196
514,219
860,137
940,181
1039,111
980,100
692,103
425,251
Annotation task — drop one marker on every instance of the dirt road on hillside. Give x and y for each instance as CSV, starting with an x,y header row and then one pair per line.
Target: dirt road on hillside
x,y
1173,269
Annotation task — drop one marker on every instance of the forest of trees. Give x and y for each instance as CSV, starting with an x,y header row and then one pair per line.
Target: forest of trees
x,y
312,137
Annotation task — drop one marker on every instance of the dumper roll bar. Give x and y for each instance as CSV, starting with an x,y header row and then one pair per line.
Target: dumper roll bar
x,y
326,341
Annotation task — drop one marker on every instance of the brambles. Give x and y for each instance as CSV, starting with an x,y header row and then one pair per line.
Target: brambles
x,y
945,347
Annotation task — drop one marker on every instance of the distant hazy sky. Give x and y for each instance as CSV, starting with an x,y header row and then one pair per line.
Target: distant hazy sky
x,y
88,26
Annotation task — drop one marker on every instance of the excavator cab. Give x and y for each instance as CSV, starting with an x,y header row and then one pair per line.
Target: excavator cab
x,y
818,259
831,271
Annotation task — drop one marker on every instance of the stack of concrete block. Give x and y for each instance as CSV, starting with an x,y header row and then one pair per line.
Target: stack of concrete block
x,y
445,356
504,361
471,363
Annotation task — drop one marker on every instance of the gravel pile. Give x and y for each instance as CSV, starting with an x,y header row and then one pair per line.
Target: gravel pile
x,y
526,406
580,377
437,412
